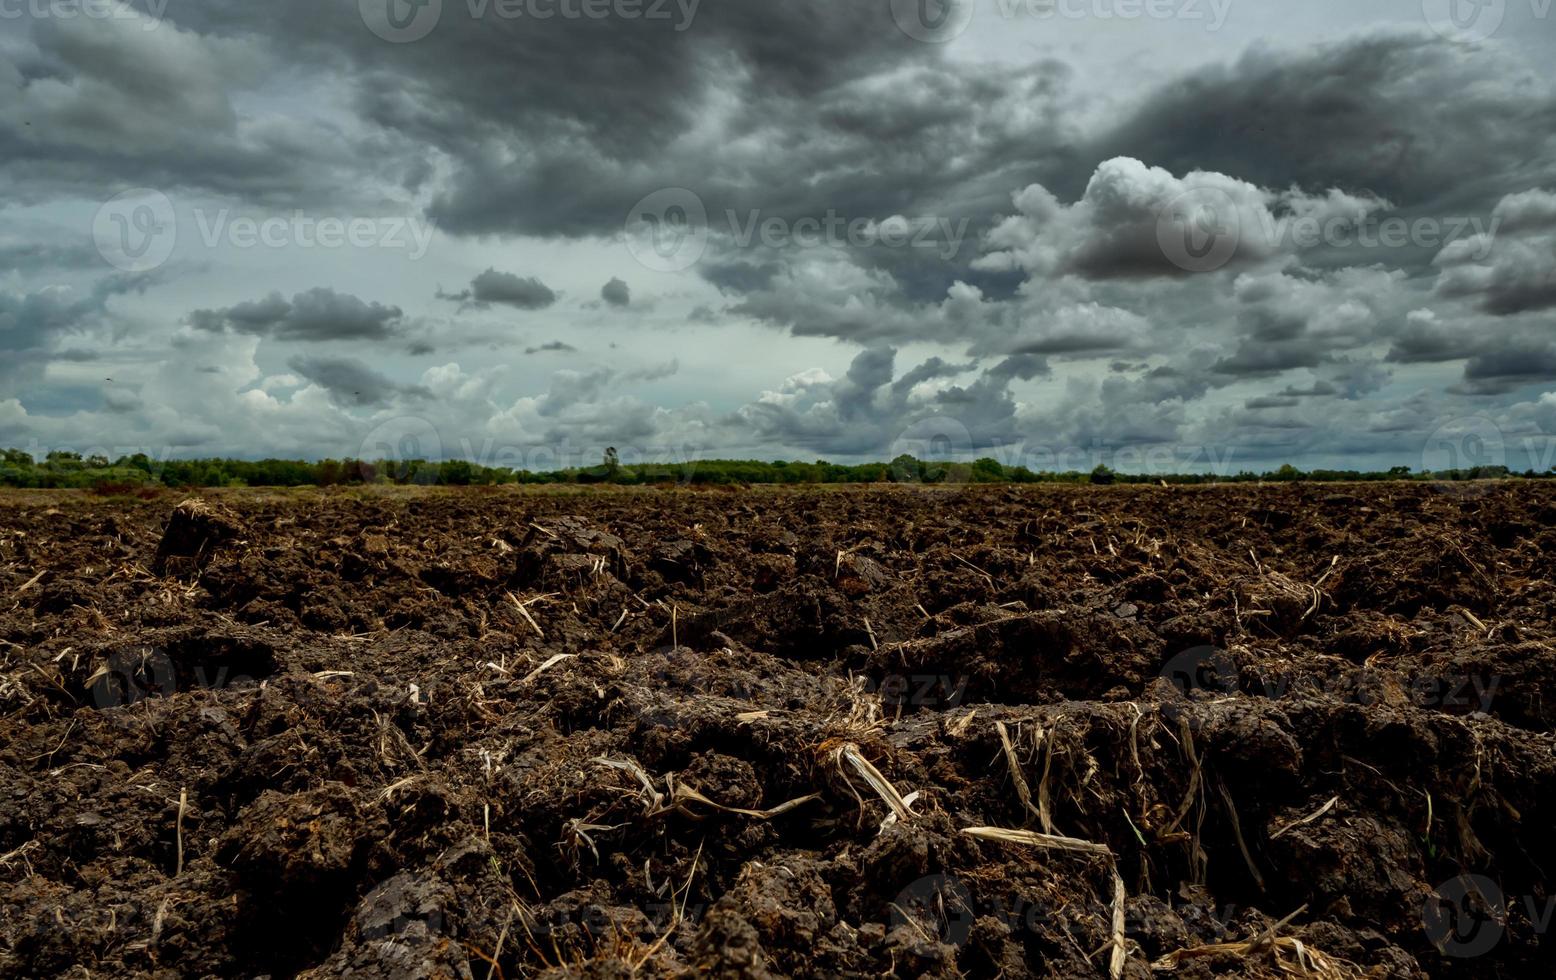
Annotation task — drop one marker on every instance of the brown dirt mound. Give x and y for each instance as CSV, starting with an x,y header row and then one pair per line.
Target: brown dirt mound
x,y
1217,732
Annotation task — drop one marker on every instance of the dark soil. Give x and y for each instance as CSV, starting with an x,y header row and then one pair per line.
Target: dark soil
x,y
506,734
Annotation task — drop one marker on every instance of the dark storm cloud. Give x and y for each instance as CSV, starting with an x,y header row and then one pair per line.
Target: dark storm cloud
x,y
317,315
868,412
811,115
1317,389
928,371
1531,210
1410,118
350,382
552,347
784,110
1516,363
616,293
30,322
1130,214
1086,329
654,372
1163,384
1350,379
92,105
925,274
1300,319
1270,401
1508,274
571,388
1253,358
783,101
505,288
122,399
870,370
739,275
1425,339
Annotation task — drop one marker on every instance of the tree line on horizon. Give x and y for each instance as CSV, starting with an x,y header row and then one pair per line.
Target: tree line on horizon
x,y
68,470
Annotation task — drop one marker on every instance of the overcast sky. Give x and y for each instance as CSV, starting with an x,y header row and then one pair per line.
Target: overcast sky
x,y
1160,234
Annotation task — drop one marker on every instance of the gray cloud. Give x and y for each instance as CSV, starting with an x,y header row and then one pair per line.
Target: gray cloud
x,y
1365,115
1531,210
1511,270
314,316
1060,317
32,322
95,104
505,288
350,382
1271,401
867,411
655,372
1510,366
1426,339
616,293
554,346
32,257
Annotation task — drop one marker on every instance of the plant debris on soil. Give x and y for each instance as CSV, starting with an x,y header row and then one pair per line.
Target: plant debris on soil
x,y
1262,731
